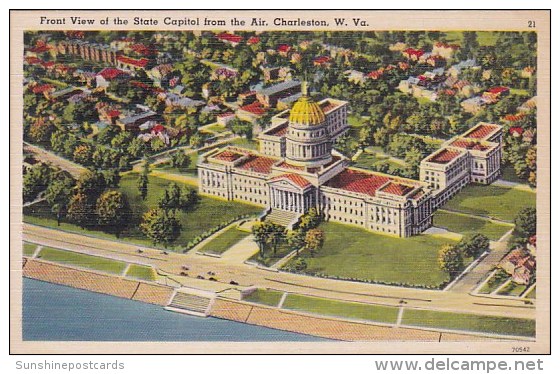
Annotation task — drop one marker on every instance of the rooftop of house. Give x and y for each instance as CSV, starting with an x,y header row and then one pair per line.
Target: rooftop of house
x,y
254,108
228,155
471,144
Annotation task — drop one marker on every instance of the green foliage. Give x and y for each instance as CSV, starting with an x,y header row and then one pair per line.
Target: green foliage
x,y
180,160
113,211
58,194
474,245
81,210
450,259
160,227
35,180
526,222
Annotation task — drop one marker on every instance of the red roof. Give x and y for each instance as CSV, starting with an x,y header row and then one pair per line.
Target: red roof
x,y
255,108
286,165
444,156
227,114
47,64
284,48
514,117
253,40
278,131
481,131
141,62
110,73
158,128
516,131
230,37
498,90
113,113
142,49
259,164
33,60
413,52
42,88
321,59
39,49
398,189
297,179
445,45
469,144
358,181
228,156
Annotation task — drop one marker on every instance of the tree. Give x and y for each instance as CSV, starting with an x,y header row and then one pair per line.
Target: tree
x,y
260,235
450,259
310,220
143,180
80,209
82,154
113,211
58,194
137,148
475,245
296,240
314,240
36,180
180,160
276,234
526,222
91,184
160,227
40,131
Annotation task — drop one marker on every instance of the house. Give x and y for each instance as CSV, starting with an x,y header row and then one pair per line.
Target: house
x,y
132,64
529,105
413,54
456,69
251,112
322,61
133,121
520,265
230,39
225,118
107,75
354,76
179,101
528,136
284,49
269,96
473,105
253,40
444,50
516,132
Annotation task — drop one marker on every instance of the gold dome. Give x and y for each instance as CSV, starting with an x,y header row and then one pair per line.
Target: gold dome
x,y
306,112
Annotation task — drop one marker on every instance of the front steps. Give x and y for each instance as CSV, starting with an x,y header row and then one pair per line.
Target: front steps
x,y
193,302
282,217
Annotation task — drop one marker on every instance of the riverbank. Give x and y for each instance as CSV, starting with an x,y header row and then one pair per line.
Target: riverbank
x,y
238,311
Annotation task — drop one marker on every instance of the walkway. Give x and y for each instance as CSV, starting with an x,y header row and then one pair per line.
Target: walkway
x,y
470,280
515,185
241,251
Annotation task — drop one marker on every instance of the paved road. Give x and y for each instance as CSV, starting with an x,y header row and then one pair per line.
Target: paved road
x,y
247,275
74,169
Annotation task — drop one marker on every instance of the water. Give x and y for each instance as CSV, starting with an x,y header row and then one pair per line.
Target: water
x,y
54,312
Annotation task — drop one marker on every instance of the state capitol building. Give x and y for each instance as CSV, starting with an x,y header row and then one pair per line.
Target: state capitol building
x,y
296,168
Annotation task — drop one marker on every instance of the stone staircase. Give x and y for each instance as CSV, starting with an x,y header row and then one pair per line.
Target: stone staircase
x,y
197,305
282,217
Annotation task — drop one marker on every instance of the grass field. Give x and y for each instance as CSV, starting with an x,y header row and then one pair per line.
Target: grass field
x,y
367,161
81,260
532,294
215,127
224,241
466,225
208,213
493,283
141,272
353,253
369,312
191,169
271,258
508,174
265,296
469,322
245,143
502,203
29,249
512,289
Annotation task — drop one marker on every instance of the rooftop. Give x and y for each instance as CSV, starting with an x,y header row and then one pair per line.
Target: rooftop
x,y
395,188
482,131
466,143
443,156
286,85
297,179
358,181
257,163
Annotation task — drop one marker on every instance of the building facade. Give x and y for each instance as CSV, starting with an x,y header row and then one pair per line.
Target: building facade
x,y
296,168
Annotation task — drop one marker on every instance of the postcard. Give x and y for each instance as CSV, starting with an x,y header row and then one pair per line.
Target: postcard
x,y
280,181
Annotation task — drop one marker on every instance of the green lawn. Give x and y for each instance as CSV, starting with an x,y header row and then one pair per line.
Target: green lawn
x,y
208,213
493,283
491,201
271,258
29,249
265,296
368,161
224,241
141,272
245,143
191,169
356,121
469,322
532,294
512,289
354,253
378,313
82,260
466,225
216,127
